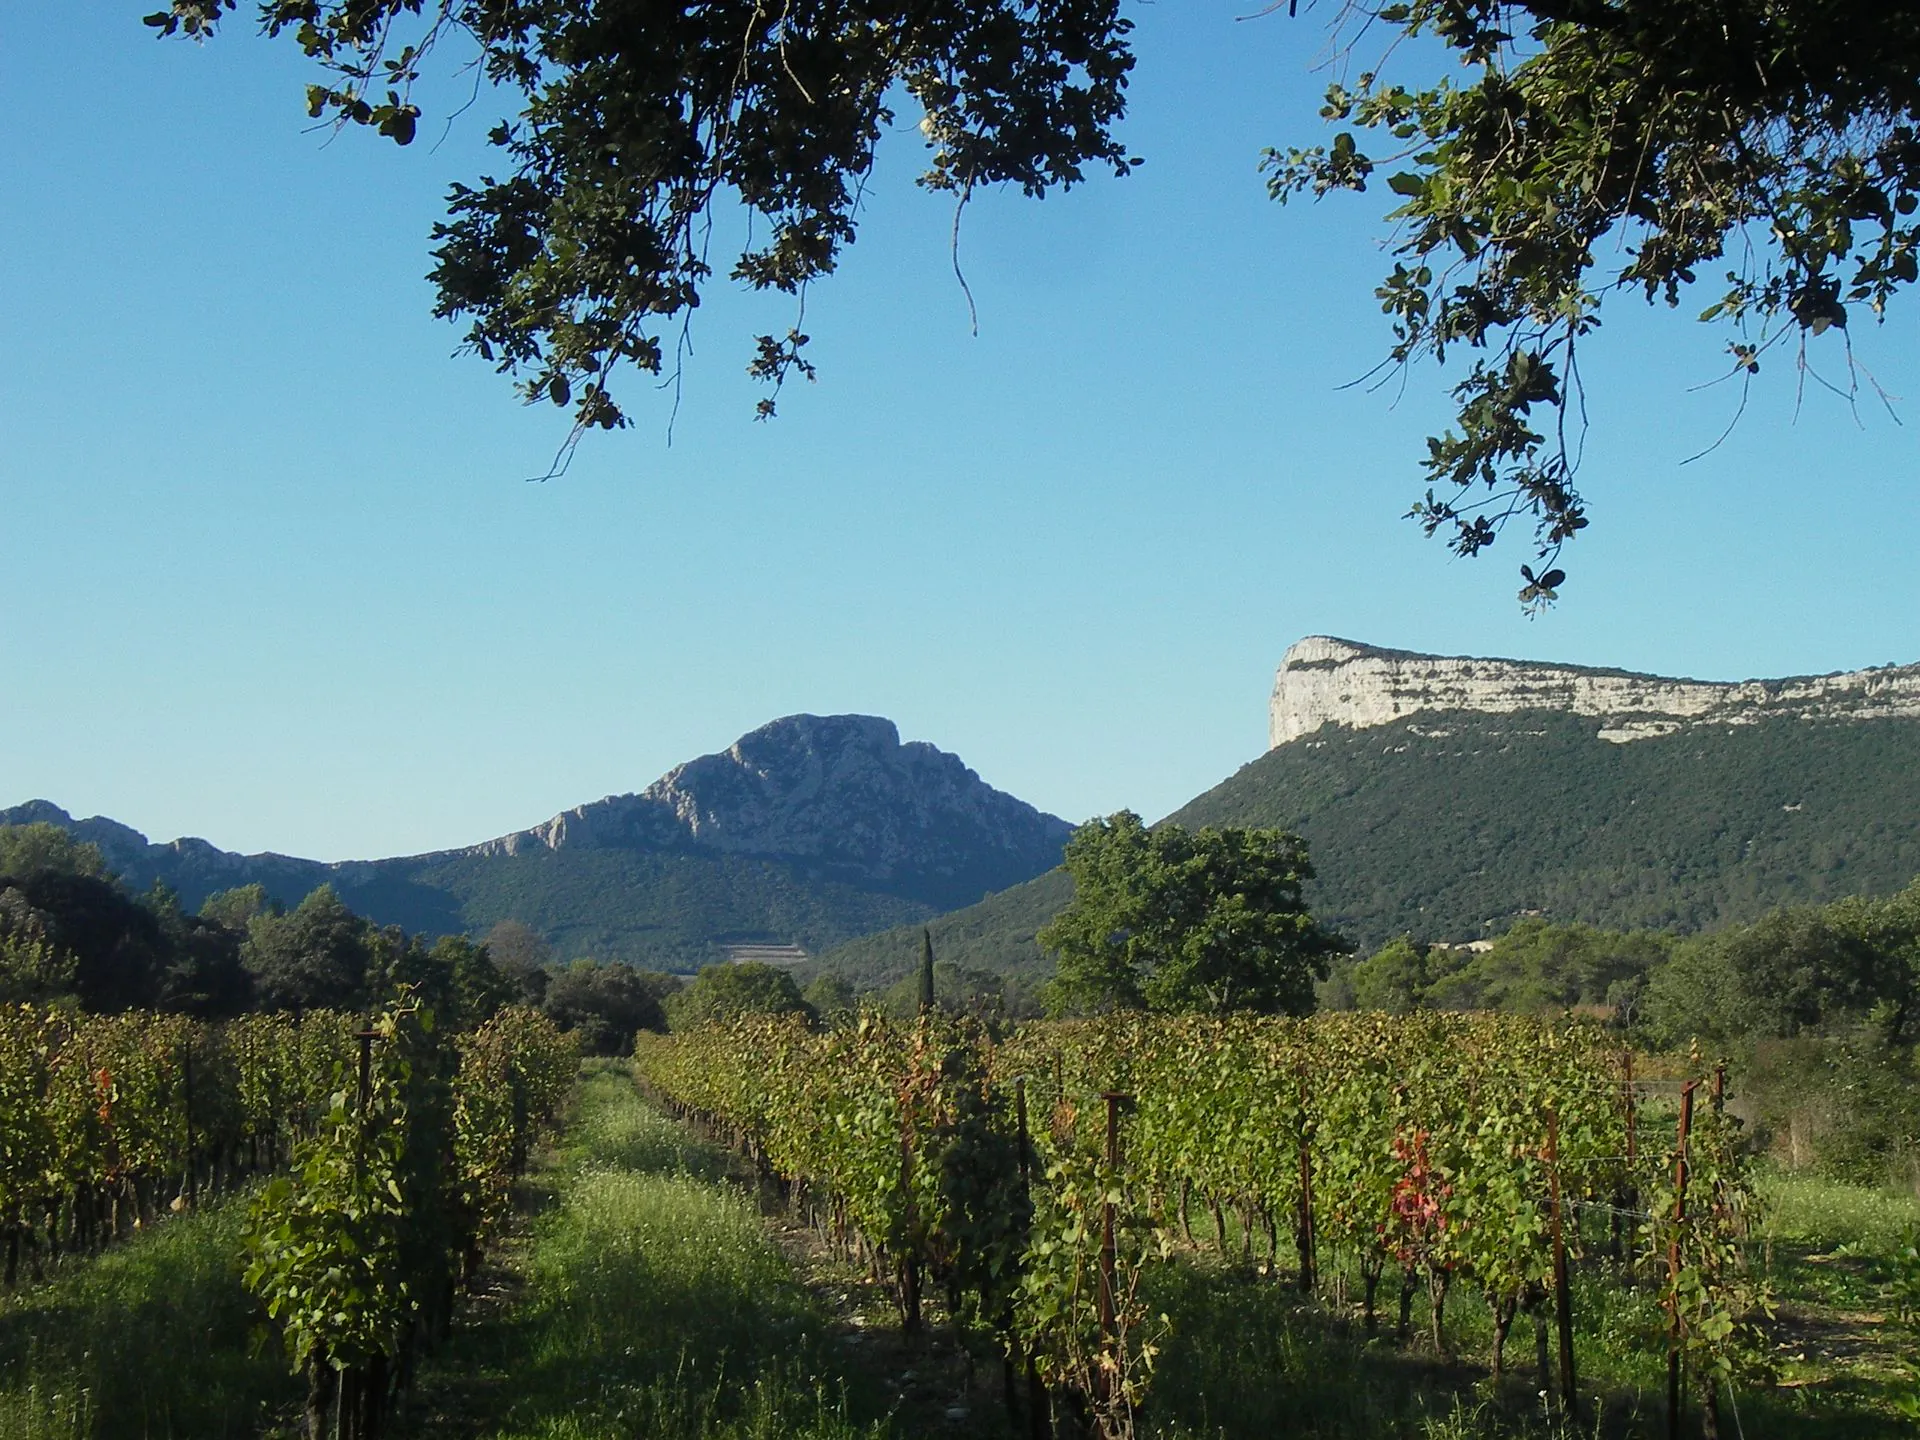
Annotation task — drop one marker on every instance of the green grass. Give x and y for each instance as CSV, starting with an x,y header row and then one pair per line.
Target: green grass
x,y
1831,1246
1804,1209
151,1339
654,1304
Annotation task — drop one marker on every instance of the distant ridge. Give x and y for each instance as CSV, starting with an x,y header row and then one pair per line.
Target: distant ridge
x,y
1323,680
840,791
804,832
1444,797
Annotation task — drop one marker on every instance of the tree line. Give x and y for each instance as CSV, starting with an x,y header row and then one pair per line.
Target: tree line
x,y
72,933
1817,1008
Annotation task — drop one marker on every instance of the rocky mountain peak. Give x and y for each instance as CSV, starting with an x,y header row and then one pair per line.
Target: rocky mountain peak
x,y
839,790
1324,680
120,845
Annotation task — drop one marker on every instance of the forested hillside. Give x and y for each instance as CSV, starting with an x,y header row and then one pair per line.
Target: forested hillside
x,y
666,910
996,934
663,909
1451,826
809,830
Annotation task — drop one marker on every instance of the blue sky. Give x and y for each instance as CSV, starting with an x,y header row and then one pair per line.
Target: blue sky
x,y
274,576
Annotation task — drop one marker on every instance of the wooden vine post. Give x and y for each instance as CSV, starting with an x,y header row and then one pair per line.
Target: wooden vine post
x,y
192,1187
1710,1388
1107,1249
1562,1292
1673,1259
1039,1412
1305,1230
365,1091
1628,1196
363,1094
910,1262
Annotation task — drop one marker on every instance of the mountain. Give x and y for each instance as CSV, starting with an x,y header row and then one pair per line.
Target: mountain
x,y
1450,824
809,830
1327,681
1446,796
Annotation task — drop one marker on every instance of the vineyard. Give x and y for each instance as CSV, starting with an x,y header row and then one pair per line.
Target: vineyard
x,y
1036,1180
1167,1225
381,1154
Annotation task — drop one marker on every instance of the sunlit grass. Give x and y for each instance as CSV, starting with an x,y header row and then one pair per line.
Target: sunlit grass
x,y
1812,1211
655,1302
151,1339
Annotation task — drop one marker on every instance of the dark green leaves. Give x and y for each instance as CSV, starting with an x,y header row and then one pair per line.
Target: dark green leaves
x,y
636,117
1172,919
1669,134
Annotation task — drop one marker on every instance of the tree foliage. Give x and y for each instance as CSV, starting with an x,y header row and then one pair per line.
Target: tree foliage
x,y
1798,970
831,997
725,992
1536,968
607,1004
593,244
314,957
1392,980
1177,919
42,848
1600,146
1579,148
118,947
236,908
957,990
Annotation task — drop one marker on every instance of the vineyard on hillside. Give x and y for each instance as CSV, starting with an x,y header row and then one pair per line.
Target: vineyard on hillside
x,y
1037,1179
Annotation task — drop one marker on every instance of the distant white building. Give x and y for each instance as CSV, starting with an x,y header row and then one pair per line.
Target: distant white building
x,y
766,955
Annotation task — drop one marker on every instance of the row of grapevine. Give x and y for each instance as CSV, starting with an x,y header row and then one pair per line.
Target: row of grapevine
x,y
1443,1150
107,1119
894,1138
1450,1150
357,1249
889,1132
393,1148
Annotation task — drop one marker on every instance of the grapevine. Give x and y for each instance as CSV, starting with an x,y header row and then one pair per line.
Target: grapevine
x,y
1450,1151
392,1149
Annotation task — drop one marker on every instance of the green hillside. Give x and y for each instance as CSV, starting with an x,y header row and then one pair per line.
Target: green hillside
x,y
664,910
996,934
1449,826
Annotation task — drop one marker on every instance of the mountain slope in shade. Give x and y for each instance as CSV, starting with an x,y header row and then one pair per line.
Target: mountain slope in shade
x,y
809,830
1449,824
994,934
841,793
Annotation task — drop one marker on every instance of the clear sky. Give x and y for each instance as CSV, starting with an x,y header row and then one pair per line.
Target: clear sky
x,y
272,573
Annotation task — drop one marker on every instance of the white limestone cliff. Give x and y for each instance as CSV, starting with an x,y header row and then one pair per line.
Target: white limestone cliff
x,y
1323,680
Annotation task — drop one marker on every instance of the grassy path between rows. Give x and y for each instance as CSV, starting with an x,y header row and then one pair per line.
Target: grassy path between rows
x,y
651,1300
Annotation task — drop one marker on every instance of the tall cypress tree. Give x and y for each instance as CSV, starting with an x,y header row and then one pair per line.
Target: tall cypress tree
x,y
926,970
